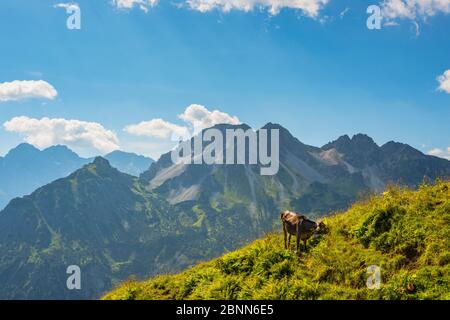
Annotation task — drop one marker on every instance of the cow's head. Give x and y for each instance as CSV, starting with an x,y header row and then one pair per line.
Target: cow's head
x,y
321,228
285,214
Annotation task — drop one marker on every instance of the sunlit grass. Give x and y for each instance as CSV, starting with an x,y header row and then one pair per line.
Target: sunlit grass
x,y
406,233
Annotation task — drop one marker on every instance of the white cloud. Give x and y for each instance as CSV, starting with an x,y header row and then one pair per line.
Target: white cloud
x,y
19,90
196,116
444,82
144,5
310,8
67,6
157,128
86,138
440,153
414,9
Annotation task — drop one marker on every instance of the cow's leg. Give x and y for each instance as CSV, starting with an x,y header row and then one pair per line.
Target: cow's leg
x,y
304,244
285,236
289,241
298,238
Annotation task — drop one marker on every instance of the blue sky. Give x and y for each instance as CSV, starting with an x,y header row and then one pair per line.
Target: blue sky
x,y
320,73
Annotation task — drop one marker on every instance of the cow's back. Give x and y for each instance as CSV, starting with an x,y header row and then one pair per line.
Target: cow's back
x,y
307,229
291,220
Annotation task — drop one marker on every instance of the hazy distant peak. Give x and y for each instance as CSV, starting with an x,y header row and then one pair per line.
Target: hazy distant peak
x,y
23,148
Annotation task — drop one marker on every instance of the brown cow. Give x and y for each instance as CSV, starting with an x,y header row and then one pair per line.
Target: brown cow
x,y
298,225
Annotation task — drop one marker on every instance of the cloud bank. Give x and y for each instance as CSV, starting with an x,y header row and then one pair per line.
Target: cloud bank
x,y
86,138
440,153
199,117
196,117
156,128
414,9
310,8
27,89
144,5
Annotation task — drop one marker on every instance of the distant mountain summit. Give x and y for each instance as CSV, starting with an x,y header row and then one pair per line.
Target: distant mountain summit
x,y
26,168
130,163
360,150
310,179
393,162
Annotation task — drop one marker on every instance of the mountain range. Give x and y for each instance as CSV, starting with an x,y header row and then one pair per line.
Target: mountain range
x,y
114,225
310,179
26,168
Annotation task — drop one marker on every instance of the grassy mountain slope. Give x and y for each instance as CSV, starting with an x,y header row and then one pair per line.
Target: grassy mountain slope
x,y
111,226
406,233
